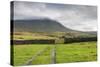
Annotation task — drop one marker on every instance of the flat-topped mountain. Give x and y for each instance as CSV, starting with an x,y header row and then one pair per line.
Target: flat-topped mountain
x,y
39,25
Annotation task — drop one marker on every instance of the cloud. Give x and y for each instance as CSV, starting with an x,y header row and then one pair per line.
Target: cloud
x,y
84,26
78,17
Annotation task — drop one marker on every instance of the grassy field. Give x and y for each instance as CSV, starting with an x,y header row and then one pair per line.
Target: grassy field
x,y
65,53
31,36
24,52
44,35
76,52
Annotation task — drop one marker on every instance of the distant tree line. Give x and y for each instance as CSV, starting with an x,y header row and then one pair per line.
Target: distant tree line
x,y
33,41
79,39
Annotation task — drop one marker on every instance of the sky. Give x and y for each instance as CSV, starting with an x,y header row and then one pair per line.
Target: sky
x,y
76,17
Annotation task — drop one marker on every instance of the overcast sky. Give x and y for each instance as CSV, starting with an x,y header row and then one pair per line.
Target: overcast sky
x,y
77,17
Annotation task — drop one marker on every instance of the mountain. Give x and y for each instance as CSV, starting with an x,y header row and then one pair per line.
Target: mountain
x,y
39,25
91,32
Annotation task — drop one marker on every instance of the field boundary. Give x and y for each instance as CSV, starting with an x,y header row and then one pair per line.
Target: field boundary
x,y
53,55
18,42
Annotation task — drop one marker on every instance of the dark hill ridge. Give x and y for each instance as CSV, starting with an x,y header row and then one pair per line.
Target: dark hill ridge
x,y
39,25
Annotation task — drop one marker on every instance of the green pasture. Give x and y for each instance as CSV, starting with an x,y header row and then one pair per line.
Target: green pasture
x,y
65,53
31,36
24,52
76,52
44,35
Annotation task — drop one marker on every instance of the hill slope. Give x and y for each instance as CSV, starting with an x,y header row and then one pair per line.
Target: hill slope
x,y
39,25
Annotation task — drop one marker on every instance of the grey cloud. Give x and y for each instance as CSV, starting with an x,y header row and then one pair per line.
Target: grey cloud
x,y
77,17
